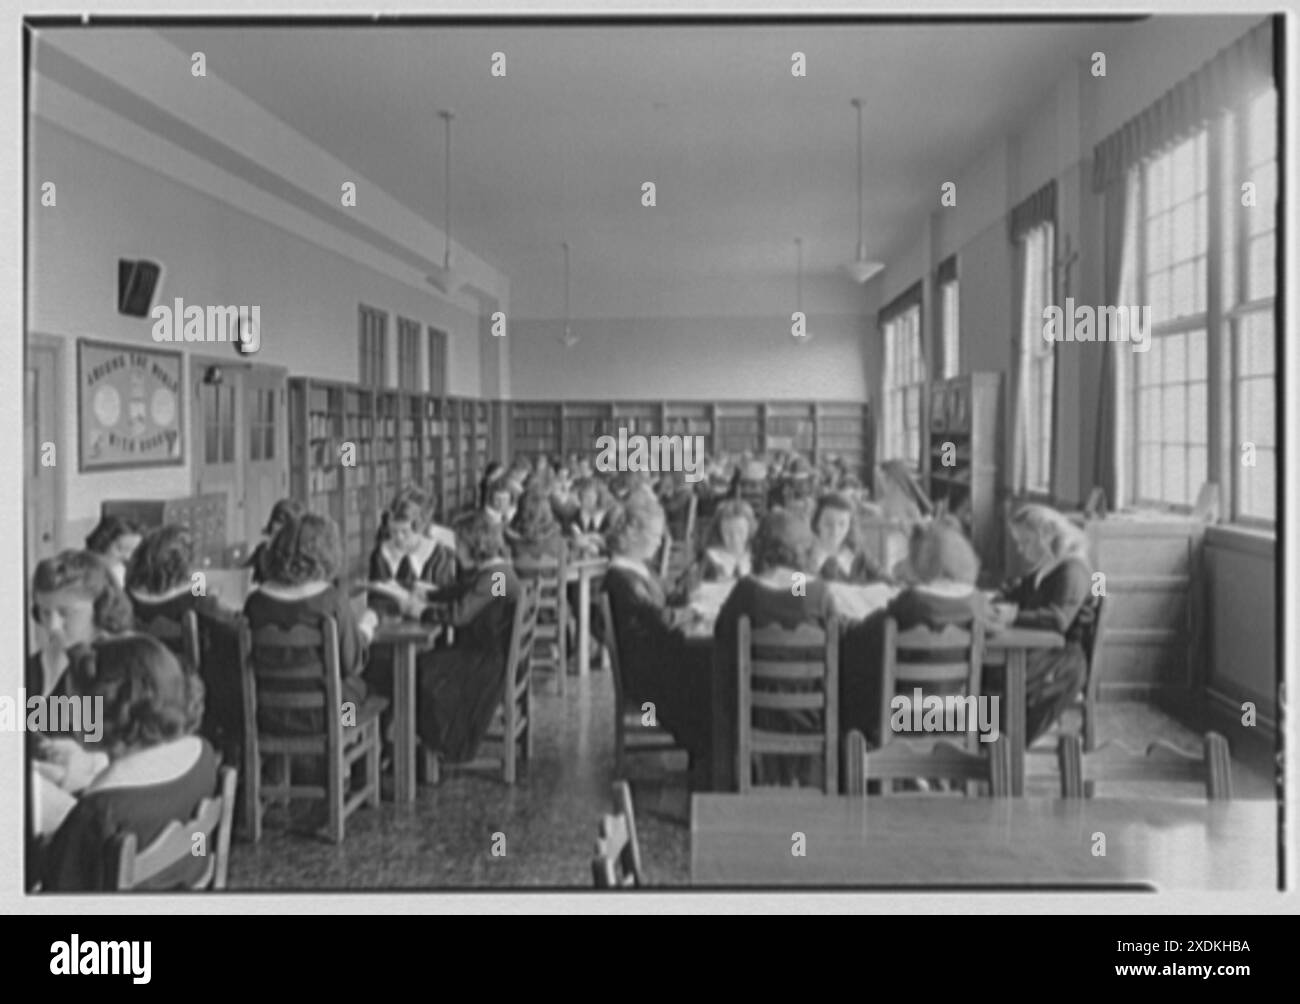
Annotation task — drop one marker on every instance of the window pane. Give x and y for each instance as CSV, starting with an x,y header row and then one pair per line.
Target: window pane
x,y
1262,126
1196,359
1196,460
1255,355
1197,413
1258,486
1149,472
1175,353
1263,214
1158,294
1174,464
1182,298
1174,414
1259,283
268,443
1258,419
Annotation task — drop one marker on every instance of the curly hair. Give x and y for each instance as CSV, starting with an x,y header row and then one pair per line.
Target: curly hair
x,y
783,540
637,527
107,532
148,698
162,561
88,574
410,505
481,538
1061,537
304,550
939,550
728,510
285,509
841,503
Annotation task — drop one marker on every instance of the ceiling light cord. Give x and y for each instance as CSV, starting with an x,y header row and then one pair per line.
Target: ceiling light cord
x,y
446,188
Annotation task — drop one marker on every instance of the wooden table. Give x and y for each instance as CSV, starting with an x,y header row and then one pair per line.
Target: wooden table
x,y
1011,648
408,639
917,841
582,571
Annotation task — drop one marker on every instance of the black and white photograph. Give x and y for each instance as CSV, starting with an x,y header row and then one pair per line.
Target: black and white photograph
x,y
580,455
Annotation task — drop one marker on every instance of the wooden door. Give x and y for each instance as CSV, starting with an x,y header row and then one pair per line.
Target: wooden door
x,y
266,471
42,441
220,443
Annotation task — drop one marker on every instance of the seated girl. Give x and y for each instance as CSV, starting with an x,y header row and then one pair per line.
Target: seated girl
x,y
941,591
536,533
500,505
836,554
302,562
461,686
75,602
778,591
281,513
651,654
158,770
587,525
160,584
114,540
405,554
726,553
1056,594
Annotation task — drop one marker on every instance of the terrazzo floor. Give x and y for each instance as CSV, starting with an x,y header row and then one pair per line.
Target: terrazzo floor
x,y
547,822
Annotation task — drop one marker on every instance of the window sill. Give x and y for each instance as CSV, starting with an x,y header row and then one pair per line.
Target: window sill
x,y
1248,539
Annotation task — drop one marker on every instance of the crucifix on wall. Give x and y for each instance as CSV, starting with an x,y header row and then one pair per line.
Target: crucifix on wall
x,y
1062,266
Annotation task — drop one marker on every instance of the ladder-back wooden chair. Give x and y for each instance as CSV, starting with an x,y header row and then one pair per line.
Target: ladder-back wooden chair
x,y
1163,762
297,670
512,729
778,671
177,842
181,636
550,643
631,734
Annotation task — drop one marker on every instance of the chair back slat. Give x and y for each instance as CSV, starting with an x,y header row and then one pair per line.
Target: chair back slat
x,y
177,842
180,636
1161,762
949,659
293,669
777,655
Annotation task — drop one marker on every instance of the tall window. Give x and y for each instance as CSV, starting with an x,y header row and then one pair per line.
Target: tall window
x,y
261,424
1170,408
374,347
437,362
1037,364
1201,403
408,354
951,333
1249,259
904,386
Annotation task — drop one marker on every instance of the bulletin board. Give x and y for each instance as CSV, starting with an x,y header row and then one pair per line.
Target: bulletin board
x,y
129,406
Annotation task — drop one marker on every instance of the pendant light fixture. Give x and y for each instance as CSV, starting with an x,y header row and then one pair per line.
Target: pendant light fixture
x,y
861,270
444,278
567,338
798,288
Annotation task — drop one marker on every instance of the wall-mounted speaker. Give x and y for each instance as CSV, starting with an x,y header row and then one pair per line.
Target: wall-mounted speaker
x,y
137,281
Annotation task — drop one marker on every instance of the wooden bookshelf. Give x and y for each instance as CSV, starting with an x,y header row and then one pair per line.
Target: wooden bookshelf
x,y
818,430
962,457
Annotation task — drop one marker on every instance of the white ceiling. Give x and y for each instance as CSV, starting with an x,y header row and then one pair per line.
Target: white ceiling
x,y
745,157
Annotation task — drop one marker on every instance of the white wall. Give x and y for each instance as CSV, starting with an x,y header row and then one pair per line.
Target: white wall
x,y
712,358
213,253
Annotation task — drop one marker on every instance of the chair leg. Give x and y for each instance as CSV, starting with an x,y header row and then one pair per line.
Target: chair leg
x,y
372,763
528,722
619,752
1089,712
253,794
511,743
335,786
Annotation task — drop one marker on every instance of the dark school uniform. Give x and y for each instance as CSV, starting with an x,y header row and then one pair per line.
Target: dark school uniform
x,y
287,607
78,857
459,688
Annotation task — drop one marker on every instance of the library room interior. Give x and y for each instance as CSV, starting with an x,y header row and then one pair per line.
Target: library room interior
x,y
595,456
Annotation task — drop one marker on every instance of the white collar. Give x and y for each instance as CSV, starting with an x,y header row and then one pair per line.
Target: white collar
x,y
170,594
945,588
630,564
729,563
302,591
424,548
53,664
156,765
